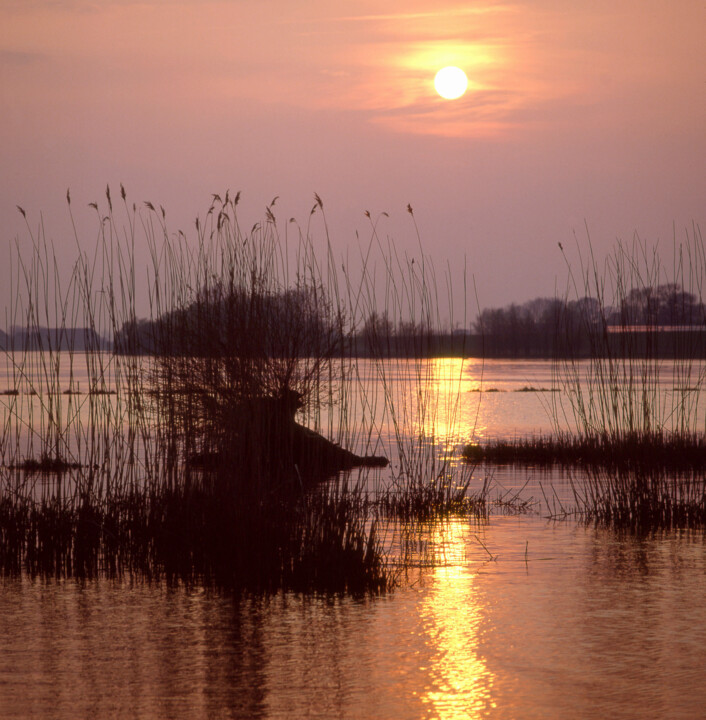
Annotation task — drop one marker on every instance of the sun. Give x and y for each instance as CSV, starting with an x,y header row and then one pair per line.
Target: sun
x,y
450,82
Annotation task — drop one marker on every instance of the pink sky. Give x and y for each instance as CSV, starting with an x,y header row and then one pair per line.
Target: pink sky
x,y
594,115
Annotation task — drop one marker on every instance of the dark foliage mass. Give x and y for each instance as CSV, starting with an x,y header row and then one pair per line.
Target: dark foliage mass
x,y
548,327
252,323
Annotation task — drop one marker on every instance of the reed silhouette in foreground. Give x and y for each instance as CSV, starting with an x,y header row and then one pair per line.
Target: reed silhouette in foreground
x,y
208,447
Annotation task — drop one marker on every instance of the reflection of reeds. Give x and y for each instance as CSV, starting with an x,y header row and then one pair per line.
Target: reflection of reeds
x,y
643,500
182,459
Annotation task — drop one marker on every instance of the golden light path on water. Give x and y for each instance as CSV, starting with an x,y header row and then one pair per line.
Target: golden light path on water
x,y
452,406
461,684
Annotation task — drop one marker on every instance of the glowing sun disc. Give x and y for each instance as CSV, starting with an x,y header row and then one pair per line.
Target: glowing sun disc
x,y
450,82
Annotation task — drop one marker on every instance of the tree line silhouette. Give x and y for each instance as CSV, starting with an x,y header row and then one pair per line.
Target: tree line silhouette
x,y
669,319
665,317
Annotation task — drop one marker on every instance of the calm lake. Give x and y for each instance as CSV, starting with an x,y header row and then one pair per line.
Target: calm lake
x,y
519,617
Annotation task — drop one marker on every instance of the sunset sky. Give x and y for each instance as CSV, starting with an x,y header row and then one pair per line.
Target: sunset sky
x,y
576,113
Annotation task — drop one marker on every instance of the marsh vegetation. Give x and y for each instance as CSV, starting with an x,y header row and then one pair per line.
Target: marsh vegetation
x,y
227,438
629,415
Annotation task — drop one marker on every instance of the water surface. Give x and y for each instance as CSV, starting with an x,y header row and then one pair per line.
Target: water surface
x,y
518,617
564,621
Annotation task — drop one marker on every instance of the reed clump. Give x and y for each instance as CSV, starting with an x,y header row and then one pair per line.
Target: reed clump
x,y
217,441
635,415
46,464
441,498
626,399
630,451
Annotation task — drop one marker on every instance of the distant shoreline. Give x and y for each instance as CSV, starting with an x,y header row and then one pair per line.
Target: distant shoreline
x,y
663,343
58,339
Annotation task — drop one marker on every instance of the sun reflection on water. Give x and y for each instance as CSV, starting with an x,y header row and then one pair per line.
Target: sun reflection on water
x,y
460,683
442,384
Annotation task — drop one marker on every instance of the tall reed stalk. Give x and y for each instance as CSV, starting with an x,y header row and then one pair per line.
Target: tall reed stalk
x,y
421,392
177,454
